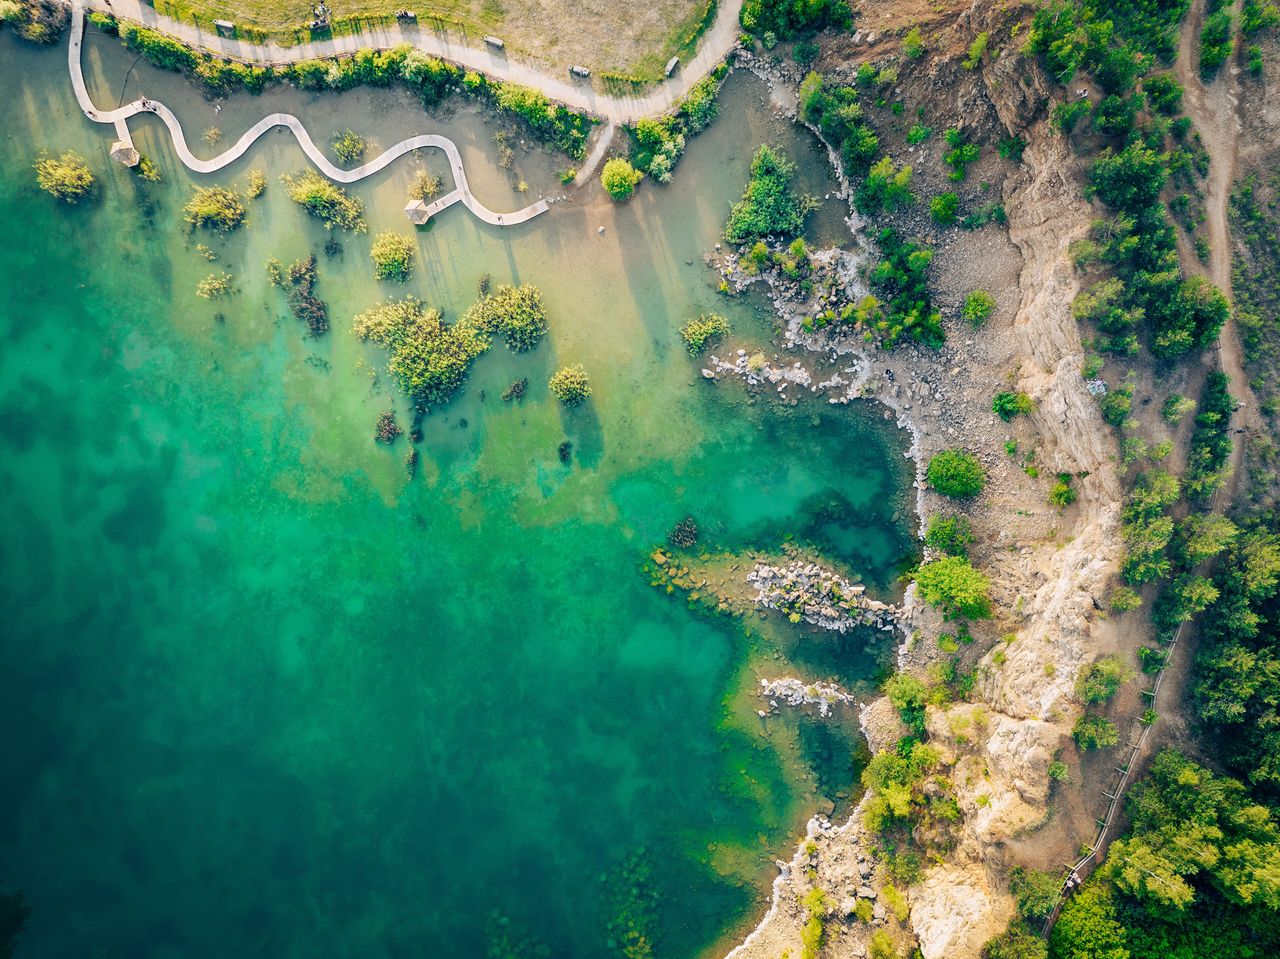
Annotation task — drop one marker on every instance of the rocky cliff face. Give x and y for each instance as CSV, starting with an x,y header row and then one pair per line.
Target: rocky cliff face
x,y
1048,585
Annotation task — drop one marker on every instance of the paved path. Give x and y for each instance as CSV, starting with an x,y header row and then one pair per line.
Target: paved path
x,y
719,38
119,117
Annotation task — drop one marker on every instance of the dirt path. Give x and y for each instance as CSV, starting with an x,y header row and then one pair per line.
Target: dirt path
x,y
1214,108
716,42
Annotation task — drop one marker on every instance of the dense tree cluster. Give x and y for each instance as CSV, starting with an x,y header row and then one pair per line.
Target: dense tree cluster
x,y
787,18
769,205
514,312
326,201
429,359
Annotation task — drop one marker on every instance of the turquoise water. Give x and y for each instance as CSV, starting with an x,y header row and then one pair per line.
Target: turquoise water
x,y
267,696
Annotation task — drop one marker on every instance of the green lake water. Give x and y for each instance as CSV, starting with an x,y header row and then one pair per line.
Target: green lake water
x,y
264,695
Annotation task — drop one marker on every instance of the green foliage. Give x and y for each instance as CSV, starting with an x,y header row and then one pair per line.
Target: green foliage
x,y
909,696
955,474
901,277
1147,530
1034,890
892,897
569,385
1164,93
896,780
1088,927
881,946
1100,680
619,178
960,156
1215,41
976,51
953,584
944,208
349,147
1123,600
787,18
1130,180
949,534
768,205
918,133
1211,440
1116,404
1007,405
706,328
1062,494
392,255
1019,941
913,44
67,177
978,305
835,111
1066,116
659,142
428,359
325,201
514,312
1095,732
884,188
214,207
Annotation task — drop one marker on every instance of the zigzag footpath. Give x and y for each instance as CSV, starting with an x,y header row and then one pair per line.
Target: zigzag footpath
x,y
119,117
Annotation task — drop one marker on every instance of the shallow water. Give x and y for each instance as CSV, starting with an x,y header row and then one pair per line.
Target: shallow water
x,y
264,694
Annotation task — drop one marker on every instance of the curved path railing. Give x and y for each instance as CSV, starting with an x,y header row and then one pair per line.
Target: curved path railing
x,y
120,116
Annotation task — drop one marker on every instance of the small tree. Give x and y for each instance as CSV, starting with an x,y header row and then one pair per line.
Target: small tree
x,y
1095,732
569,385
978,305
949,534
956,474
67,177
944,208
619,178
953,584
1007,405
1100,680
392,255
706,328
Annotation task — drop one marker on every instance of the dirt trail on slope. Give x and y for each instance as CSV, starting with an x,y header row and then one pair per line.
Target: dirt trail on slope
x,y
1215,109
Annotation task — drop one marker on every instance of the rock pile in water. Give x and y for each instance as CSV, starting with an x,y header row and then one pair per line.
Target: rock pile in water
x,y
818,596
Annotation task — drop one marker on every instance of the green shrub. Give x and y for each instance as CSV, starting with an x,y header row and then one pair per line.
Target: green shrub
x,y
619,178
515,312
1100,680
961,155
1215,41
215,207
67,177
786,18
698,333
884,188
392,255
978,305
976,50
955,474
325,201
954,585
944,208
1095,732
428,359
901,277
1007,405
569,385
1123,599
349,147
913,44
949,534
768,205
1062,494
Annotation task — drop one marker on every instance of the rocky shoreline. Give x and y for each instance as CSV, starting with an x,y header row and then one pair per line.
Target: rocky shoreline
x,y
806,591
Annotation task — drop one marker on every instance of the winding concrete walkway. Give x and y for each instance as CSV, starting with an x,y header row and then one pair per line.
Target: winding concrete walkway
x,y
720,37
119,117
